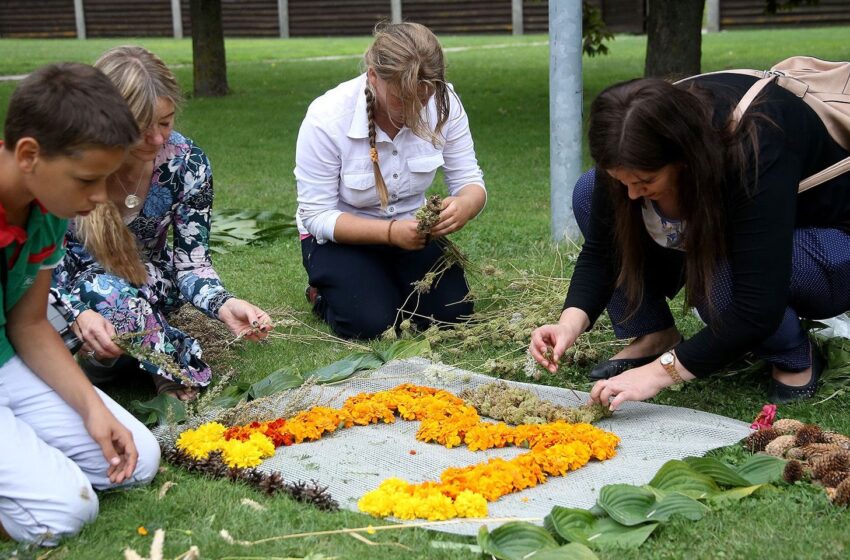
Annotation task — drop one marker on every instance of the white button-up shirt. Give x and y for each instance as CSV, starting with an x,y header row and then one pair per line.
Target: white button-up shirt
x,y
334,173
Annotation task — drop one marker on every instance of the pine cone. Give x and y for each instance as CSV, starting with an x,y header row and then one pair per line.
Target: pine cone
x,y
778,446
787,426
809,433
814,450
272,484
757,441
838,460
314,494
793,471
796,453
842,494
834,479
837,439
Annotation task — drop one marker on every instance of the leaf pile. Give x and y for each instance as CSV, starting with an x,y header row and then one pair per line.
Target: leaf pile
x,y
625,516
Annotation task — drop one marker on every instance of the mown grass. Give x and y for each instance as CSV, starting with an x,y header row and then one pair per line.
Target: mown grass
x,y
250,138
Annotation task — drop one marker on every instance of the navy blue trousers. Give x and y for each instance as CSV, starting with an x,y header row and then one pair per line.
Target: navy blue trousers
x,y
362,287
820,278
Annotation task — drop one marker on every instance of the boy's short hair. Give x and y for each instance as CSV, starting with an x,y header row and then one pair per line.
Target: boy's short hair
x,y
68,107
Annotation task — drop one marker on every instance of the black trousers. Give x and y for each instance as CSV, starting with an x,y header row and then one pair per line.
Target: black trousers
x,y
363,287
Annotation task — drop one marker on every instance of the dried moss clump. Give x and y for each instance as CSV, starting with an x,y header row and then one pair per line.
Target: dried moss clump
x,y
213,466
513,405
842,494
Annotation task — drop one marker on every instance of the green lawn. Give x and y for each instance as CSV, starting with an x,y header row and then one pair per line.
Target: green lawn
x,y
250,138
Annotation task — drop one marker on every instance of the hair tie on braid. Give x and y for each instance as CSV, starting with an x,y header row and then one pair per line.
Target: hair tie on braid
x,y
373,154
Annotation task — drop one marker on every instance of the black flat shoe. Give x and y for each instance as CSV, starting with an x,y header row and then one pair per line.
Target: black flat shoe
x,y
780,393
610,368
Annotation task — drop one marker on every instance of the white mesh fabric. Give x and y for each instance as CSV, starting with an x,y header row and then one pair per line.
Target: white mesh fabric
x,y
354,461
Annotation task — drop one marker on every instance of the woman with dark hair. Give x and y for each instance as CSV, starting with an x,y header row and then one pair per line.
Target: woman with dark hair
x,y
681,196
367,151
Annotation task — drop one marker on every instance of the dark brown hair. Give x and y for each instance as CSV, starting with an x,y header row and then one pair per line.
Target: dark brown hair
x,y
69,107
645,125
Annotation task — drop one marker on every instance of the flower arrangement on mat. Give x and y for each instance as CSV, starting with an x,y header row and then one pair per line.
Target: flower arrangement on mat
x,y
554,449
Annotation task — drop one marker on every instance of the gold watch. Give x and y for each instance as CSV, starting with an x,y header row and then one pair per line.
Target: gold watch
x,y
668,362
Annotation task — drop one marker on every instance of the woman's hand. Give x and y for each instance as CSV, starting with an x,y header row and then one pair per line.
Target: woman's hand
x,y
96,332
636,384
244,319
405,235
114,440
456,212
558,337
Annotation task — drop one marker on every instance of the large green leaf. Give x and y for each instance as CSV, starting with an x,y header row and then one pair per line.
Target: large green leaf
x,y
677,476
275,382
344,368
515,540
570,524
722,473
401,349
676,503
607,533
162,409
762,469
734,494
626,504
231,395
572,551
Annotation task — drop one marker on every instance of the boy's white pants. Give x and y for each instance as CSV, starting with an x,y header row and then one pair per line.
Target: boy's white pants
x,y
48,461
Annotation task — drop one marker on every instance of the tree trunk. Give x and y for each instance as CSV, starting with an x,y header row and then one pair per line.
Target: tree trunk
x,y
673,38
208,60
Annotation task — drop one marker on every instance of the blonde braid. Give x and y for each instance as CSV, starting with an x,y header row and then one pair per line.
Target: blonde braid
x,y
380,185
111,243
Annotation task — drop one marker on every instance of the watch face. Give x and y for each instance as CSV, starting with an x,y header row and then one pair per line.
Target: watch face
x,y
666,358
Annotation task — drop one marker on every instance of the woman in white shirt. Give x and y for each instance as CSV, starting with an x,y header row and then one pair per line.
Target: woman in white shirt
x,y
367,151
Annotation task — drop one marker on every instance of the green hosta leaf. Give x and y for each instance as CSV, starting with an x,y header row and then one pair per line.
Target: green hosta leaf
x,y
401,349
572,551
625,503
722,473
734,494
515,540
677,476
231,395
344,368
275,382
570,524
677,504
762,469
607,533
162,409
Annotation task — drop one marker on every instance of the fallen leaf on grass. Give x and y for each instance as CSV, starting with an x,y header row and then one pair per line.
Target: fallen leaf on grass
x,y
163,490
252,504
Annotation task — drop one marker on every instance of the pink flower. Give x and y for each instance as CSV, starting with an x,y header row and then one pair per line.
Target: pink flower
x,y
765,418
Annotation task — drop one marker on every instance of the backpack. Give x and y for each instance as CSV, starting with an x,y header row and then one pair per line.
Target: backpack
x,y
824,86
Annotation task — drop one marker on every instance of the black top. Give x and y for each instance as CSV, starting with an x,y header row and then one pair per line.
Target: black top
x,y
761,222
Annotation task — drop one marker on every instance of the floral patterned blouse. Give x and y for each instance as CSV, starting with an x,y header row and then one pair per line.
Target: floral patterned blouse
x,y
180,195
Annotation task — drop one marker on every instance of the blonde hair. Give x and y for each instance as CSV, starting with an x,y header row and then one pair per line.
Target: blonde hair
x,y
409,58
111,243
142,78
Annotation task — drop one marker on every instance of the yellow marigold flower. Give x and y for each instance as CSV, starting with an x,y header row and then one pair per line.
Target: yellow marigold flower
x,y
198,443
470,504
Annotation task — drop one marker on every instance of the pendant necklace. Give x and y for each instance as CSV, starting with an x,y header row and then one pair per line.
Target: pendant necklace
x,y
132,200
